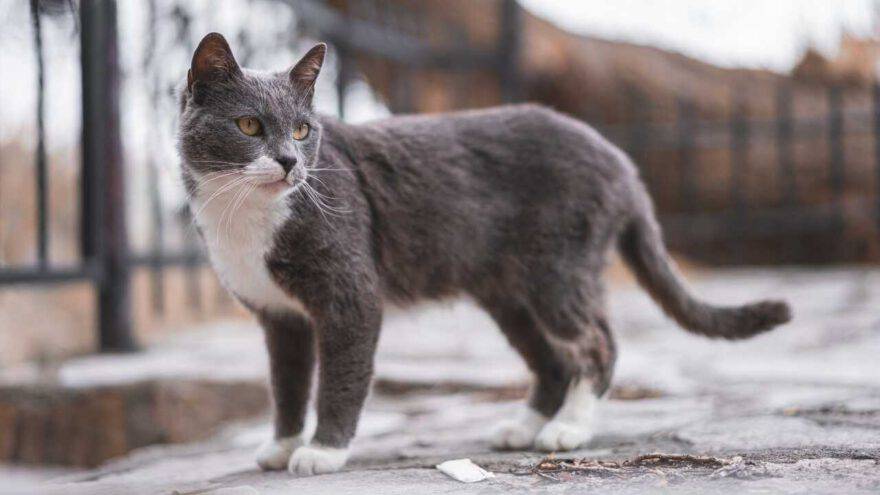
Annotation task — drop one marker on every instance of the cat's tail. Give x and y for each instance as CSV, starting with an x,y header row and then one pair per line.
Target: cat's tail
x,y
641,245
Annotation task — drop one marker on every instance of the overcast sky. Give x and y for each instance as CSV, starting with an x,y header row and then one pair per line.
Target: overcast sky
x,y
753,33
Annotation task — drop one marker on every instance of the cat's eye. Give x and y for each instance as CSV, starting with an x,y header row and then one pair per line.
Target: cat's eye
x,y
250,126
301,132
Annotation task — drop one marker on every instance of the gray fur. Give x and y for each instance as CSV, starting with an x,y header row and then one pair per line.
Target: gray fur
x,y
515,206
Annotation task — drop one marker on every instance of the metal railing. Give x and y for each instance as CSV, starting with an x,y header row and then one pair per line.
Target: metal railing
x,y
692,221
102,227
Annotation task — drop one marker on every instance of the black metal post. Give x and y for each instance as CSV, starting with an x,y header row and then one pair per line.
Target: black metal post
x,y
638,136
739,169
104,241
835,143
739,154
836,155
509,51
42,173
403,93
686,155
784,153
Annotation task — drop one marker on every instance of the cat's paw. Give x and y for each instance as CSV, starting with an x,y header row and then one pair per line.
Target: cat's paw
x,y
274,454
519,433
562,435
315,459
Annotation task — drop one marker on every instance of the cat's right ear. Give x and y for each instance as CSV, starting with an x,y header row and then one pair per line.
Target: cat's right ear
x,y
212,62
304,74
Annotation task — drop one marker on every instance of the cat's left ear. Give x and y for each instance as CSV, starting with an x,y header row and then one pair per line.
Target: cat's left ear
x,y
304,74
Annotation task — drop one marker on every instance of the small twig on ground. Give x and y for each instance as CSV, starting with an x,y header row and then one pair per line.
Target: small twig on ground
x,y
650,463
693,460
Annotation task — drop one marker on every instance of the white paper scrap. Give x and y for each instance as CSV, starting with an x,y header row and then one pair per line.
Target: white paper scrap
x,y
464,470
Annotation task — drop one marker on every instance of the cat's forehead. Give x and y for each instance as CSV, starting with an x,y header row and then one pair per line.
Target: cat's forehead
x,y
267,93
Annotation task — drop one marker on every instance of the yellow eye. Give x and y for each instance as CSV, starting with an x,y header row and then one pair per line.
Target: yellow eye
x,y
249,126
301,132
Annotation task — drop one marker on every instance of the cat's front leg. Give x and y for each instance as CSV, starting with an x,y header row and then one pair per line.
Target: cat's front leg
x,y
348,332
290,340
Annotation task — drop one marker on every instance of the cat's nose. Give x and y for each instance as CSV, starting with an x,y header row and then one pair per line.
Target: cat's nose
x,y
286,162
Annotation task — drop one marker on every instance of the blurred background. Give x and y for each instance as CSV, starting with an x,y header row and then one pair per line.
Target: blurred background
x,y
755,124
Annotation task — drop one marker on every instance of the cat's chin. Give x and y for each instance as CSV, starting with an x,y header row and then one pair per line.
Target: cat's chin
x,y
276,188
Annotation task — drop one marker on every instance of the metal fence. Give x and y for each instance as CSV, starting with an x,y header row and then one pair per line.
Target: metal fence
x,y
103,245
787,212
107,262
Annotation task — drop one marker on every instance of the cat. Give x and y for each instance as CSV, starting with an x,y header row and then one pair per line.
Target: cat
x,y
314,225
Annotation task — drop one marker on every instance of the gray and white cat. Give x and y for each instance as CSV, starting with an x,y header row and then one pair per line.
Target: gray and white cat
x,y
314,224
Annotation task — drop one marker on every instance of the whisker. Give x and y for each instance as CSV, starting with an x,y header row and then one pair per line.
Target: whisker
x,y
218,162
329,170
324,199
323,195
319,180
317,198
223,215
308,190
236,204
202,182
222,190
248,187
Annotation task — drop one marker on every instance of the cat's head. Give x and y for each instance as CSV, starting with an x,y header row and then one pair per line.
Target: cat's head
x,y
247,126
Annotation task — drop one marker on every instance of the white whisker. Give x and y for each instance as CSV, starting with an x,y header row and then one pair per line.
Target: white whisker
x,y
324,199
308,190
319,202
232,206
223,215
217,175
218,162
221,190
248,189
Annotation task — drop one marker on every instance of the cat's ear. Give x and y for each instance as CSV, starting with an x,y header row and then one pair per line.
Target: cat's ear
x,y
212,62
304,74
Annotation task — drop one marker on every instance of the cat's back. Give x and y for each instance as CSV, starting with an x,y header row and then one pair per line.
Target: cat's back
x,y
522,135
483,122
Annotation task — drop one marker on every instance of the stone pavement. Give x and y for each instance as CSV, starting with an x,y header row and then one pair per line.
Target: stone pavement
x,y
793,411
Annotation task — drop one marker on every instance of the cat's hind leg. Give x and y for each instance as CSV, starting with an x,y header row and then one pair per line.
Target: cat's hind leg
x,y
551,375
578,329
572,426
553,314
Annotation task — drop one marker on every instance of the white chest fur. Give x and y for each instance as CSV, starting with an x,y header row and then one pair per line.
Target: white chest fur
x,y
239,233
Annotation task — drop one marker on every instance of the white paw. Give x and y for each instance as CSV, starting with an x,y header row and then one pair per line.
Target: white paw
x,y
274,454
315,459
519,433
559,435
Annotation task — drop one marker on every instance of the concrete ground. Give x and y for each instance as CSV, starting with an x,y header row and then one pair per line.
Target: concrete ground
x,y
793,411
